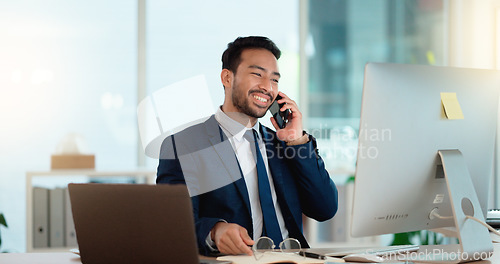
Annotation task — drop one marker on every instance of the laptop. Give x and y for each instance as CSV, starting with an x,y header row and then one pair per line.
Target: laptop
x,y
134,223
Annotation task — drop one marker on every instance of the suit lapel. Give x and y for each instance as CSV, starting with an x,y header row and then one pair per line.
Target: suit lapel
x,y
224,150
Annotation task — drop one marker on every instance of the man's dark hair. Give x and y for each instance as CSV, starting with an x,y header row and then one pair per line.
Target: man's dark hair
x,y
231,57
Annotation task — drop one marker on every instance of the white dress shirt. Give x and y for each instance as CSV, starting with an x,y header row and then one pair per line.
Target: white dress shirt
x,y
243,149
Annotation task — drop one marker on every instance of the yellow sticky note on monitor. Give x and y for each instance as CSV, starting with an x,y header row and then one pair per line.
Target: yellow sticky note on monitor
x,y
451,106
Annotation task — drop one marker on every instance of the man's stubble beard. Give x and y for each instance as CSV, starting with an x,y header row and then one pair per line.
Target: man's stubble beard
x,y
241,102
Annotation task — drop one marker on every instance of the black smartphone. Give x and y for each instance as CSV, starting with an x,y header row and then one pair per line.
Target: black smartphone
x,y
280,117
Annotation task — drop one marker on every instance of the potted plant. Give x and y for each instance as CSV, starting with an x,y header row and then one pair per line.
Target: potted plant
x,y
2,223
423,237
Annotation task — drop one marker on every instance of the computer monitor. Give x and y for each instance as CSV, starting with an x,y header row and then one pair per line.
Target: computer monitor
x,y
414,159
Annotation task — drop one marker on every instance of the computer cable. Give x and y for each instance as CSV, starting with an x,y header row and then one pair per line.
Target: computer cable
x,y
435,214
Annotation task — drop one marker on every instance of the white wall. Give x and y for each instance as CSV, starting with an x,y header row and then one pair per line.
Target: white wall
x,y
474,42
472,33
66,66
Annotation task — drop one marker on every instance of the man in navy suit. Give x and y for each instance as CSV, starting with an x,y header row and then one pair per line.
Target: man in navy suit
x,y
246,180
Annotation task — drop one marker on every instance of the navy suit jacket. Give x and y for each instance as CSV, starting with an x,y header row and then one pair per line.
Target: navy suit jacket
x,y
202,157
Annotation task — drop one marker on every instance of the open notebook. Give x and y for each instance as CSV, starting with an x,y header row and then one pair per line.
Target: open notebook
x,y
277,257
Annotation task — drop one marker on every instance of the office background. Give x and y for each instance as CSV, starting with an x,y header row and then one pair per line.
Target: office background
x,y
72,67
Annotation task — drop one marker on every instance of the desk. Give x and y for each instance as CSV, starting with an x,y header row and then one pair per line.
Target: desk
x,y
40,258
44,258
71,258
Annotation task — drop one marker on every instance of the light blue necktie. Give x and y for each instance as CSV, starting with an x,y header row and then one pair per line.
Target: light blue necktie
x,y
271,227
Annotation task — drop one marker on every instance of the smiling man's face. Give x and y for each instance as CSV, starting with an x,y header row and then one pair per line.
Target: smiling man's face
x,y
255,84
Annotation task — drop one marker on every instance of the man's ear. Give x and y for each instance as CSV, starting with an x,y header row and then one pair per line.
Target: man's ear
x,y
226,77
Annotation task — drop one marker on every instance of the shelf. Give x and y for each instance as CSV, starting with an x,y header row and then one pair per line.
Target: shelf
x,y
88,172
141,176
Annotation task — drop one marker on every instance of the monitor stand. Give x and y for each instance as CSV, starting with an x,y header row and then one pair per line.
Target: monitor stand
x,y
474,239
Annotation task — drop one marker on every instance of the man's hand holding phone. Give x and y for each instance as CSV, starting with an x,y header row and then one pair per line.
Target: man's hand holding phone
x,y
293,126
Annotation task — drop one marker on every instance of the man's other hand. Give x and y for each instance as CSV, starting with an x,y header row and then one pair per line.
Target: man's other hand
x,y
231,239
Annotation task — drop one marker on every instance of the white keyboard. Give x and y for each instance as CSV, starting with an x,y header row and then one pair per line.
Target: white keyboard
x,y
379,251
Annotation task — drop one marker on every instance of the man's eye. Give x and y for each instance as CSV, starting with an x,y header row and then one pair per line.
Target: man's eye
x,y
256,74
275,80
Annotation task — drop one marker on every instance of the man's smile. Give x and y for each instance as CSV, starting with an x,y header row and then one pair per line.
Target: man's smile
x,y
262,100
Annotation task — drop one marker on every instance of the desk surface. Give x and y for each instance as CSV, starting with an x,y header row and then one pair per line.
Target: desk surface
x,y
71,258
41,258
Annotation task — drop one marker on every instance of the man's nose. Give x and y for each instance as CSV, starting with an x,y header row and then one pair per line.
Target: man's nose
x,y
266,84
